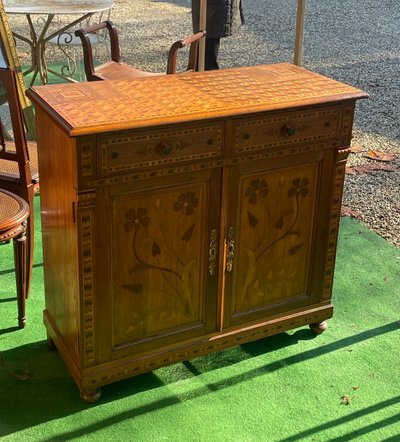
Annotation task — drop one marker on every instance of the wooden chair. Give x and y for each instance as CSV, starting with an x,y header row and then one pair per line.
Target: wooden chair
x,y
18,158
116,69
14,212
70,45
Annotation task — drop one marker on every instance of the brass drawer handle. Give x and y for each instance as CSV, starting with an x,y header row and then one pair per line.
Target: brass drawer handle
x,y
230,249
289,131
212,252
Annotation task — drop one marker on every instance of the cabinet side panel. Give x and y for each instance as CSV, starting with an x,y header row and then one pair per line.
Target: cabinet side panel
x,y
57,195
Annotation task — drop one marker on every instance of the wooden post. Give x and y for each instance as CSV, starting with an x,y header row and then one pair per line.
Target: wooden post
x,y
202,27
298,46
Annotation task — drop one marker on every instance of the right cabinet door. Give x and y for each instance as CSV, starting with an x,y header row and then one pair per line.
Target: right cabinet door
x,y
276,235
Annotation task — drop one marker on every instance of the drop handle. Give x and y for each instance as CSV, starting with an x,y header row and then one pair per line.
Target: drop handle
x,y
289,131
230,249
212,252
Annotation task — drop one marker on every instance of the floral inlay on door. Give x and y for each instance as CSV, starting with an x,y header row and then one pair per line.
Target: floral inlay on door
x,y
160,276
276,222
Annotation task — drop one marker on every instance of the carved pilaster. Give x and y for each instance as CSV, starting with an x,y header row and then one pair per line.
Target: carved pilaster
x,y
86,155
347,125
334,222
86,204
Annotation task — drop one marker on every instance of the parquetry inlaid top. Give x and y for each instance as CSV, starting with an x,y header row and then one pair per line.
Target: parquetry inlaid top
x,y
102,106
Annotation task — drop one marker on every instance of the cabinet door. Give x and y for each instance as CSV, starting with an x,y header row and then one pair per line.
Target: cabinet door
x,y
163,285
275,236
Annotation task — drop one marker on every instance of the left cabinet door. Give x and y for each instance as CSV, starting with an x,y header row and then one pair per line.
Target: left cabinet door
x,y
162,284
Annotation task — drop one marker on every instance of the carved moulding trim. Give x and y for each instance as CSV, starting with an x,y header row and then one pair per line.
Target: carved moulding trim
x,y
86,166
85,220
10,234
125,368
343,154
340,169
347,125
87,199
196,166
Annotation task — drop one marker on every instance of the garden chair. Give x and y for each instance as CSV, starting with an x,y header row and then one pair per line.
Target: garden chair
x,y
115,69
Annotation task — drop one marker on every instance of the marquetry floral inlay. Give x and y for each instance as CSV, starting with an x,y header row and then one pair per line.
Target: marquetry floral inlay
x,y
186,202
275,243
257,188
164,267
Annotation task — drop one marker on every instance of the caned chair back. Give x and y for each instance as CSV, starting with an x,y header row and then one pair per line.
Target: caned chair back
x,y
18,157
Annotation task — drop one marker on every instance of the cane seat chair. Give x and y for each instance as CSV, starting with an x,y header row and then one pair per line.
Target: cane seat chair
x,y
115,69
14,212
19,171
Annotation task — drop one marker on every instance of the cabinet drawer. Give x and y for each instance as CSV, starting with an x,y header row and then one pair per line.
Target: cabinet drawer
x,y
287,128
157,148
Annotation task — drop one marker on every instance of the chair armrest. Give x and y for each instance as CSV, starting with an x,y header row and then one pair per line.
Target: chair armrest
x,y
83,34
193,41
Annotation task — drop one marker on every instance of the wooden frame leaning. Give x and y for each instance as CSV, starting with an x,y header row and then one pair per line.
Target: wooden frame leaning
x,y
9,57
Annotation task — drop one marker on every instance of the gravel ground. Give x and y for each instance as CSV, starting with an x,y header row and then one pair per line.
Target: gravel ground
x,y
348,40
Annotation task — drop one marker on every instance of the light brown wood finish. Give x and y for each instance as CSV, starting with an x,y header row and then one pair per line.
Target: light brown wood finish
x,y
187,213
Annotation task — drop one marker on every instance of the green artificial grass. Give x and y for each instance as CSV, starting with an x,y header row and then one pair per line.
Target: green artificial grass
x,y
56,79
342,385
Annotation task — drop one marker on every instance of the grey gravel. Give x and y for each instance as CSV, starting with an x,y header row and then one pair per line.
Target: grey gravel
x,y
357,42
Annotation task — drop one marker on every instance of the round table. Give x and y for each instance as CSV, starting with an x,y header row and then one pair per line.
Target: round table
x,y
38,38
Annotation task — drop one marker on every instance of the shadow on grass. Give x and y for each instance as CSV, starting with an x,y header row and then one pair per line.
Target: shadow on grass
x,y
50,381
9,329
345,419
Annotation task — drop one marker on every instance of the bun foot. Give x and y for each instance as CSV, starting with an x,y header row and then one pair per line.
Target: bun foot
x,y
90,396
319,328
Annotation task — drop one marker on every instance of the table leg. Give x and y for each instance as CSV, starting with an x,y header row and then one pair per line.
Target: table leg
x,y
66,73
36,43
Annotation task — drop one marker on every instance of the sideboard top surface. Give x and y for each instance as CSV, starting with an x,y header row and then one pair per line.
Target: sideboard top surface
x,y
106,106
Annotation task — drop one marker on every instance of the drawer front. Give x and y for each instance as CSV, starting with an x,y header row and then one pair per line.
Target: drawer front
x,y
287,128
157,148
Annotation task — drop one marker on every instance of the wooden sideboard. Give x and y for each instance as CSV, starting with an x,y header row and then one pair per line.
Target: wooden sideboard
x,y
187,214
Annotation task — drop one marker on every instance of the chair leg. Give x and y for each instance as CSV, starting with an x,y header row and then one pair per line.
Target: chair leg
x,y
30,236
21,264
